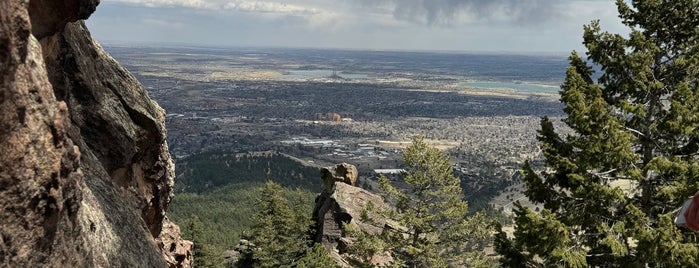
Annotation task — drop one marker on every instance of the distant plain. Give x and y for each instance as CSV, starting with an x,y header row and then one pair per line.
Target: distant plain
x,y
483,110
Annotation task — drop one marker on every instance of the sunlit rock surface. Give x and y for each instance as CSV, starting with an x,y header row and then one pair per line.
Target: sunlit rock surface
x,y
85,174
342,203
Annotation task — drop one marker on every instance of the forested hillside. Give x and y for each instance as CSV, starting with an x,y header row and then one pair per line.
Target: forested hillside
x,y
208,171
221,191
225,212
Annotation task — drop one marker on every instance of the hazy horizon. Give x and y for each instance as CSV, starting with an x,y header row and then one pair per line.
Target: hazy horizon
x,y
185,45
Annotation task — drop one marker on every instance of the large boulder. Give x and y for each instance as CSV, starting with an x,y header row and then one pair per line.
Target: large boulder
x,y
85,174
342,172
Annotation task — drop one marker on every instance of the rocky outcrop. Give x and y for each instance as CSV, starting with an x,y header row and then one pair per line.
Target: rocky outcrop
x,y
177,252
342,172
85,174
111,112
40,179
342,203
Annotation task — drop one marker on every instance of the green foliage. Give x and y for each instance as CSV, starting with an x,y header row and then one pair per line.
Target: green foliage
x,y
204,254
279,234
637,124
364,246
209,171
316,256
225,212
479,193
429,205
222,189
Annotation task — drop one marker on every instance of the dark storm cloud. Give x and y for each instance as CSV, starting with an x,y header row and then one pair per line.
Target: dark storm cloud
x,y
442,12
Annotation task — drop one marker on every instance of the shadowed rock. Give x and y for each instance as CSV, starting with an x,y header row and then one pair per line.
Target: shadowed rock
x,y
342,203
85,174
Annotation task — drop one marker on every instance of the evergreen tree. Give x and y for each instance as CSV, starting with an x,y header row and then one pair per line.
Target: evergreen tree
x,y
204,255
364,246
431,208
637,125
315,257
279,235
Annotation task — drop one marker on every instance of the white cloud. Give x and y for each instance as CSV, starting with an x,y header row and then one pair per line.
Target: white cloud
x,y
433,13
181,3
236,5
515,25
270,7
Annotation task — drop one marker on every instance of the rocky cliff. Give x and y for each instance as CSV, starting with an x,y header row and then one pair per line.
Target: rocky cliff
x,y
85,174
343,203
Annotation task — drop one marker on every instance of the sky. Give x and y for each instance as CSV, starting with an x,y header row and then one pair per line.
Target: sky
x,y
534,26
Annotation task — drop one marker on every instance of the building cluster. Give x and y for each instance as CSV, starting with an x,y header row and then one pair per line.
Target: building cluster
x,y
327,117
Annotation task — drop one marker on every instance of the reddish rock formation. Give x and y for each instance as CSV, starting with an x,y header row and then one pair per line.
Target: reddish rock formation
x,y
40,180
85,175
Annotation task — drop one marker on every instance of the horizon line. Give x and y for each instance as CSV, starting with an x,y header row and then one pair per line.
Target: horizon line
x,y
170,44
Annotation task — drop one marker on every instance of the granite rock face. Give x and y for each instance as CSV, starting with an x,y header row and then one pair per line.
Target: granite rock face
x,y
85,174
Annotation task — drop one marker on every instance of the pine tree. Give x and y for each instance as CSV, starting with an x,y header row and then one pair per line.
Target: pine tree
x,y
431,208
637,125
204,255
316,256
279,235
364,246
